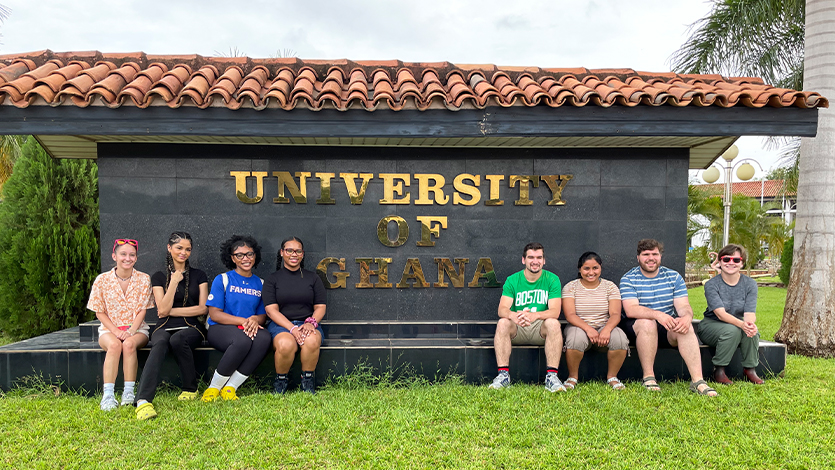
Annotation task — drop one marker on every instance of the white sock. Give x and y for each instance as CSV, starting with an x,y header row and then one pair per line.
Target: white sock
x,y
218,381
109,389
236,380
128,388
141,402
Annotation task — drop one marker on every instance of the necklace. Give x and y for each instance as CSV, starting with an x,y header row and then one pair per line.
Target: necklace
x,y
125,279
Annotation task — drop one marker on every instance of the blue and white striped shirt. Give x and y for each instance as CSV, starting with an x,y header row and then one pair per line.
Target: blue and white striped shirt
x,y
656,292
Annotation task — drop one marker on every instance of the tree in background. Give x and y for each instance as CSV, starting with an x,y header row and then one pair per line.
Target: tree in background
x,y
49,249
10,146
789,43
808,325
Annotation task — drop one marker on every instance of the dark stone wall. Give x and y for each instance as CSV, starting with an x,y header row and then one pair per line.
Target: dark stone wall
x,y
617,196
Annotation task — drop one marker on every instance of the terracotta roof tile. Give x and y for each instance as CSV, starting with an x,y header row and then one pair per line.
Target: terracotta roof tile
x,y
140,80
768,188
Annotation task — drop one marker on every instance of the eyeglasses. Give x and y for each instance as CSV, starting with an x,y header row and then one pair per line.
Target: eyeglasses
x,y
125,241
240,256
291,251
728,259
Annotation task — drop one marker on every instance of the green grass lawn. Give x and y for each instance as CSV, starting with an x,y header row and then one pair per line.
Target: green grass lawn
x,y
786,423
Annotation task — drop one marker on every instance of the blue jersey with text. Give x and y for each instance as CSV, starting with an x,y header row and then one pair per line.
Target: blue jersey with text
x,y
241,297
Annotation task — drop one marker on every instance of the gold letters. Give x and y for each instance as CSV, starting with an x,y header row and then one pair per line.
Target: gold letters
x,y
240,185
424,188
413,271
445,266
494,190
341,275
472,191
426,229
366,272
299,192
484,269
524,188
325,188
556,190
390,188
351,186
402,231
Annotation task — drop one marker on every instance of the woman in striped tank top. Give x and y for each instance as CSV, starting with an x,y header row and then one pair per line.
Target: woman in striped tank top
x,y
592,308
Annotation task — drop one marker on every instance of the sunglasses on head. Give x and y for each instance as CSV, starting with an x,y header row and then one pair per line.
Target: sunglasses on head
x,y
728,259
125,241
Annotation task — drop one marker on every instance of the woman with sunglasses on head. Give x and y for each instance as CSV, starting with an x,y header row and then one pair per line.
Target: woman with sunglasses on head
x,y
295,303
730,318
236,316
180,293
120,298
592,308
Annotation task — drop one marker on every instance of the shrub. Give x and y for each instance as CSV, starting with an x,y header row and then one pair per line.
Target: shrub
x,y
49,249
786,261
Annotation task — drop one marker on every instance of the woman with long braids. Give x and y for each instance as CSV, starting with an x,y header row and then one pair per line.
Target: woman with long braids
x,y
294,299
180,293
236,316
120,298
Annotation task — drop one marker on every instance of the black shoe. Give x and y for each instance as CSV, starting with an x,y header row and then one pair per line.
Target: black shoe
x,y
309,385
280,385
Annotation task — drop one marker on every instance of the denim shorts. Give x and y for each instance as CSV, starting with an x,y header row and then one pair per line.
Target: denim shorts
x,y
275,328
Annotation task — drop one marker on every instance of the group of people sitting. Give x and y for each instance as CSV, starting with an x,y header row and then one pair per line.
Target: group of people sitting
x,y
650,308
245,316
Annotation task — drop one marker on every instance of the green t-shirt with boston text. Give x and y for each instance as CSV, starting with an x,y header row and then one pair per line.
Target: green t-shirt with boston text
x,y
533,295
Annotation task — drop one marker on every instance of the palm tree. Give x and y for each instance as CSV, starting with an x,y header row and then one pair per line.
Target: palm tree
x,y
770,39
750,38
809,317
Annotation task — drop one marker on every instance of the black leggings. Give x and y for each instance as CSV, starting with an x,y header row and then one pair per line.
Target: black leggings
x,y
240,352
182,344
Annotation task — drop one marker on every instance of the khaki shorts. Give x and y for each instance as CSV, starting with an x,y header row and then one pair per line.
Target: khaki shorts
x,y
578,340
529,334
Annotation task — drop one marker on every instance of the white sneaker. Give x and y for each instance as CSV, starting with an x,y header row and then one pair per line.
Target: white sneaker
x,y
108,403
552,383
501,381
128,398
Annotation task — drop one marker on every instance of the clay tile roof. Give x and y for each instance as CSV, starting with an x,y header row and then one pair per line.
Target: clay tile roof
x,y
141,80
768,188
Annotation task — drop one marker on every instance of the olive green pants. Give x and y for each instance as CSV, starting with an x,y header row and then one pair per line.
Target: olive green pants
x,y
726,338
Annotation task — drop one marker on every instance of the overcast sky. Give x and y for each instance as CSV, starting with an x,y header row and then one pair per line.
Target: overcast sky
x,y
639,34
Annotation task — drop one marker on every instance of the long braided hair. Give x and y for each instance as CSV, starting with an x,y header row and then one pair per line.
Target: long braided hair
x,y
169,262
279,263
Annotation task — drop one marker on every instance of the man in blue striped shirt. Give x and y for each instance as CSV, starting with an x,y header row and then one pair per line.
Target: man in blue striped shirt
x,y
655,301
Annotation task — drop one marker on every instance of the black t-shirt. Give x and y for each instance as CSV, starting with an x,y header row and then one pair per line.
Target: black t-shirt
x,y
195,278
294,294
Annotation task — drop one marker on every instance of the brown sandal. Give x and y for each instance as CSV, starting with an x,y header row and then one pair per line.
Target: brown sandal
x,y
650,384
694,387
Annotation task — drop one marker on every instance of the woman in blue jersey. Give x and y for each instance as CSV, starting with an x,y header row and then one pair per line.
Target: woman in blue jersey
x,y
236,316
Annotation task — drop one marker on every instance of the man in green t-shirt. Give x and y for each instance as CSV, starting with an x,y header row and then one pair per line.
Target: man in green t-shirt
x,y
529,314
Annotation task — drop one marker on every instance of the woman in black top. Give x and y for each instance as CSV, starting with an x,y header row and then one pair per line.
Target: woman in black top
x,y
180,293
295,302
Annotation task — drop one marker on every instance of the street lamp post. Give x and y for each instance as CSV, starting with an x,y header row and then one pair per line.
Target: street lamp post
x,y
745,172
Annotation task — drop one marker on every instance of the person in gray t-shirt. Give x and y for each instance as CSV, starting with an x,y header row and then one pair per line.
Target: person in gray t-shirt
x,y
730,318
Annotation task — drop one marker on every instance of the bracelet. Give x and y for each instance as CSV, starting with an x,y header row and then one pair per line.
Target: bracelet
x,y
312,321
294,327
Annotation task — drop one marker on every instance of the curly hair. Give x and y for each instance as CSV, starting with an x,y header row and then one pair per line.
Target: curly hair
x,y
279,262
169,262
650,244
233,243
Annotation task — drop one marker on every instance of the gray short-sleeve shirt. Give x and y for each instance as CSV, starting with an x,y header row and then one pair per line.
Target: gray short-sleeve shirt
x,y
736,300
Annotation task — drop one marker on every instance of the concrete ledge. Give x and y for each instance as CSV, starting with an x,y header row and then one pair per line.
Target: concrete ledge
x,y
429,349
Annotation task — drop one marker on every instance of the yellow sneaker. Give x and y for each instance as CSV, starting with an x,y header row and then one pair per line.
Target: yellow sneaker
x,y
211,394
145,411
188,396
228,393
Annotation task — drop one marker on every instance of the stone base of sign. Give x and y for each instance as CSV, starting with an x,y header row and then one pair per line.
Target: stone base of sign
x,y
73,359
